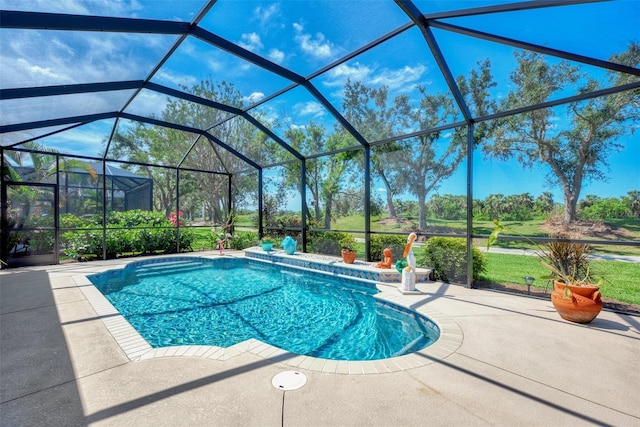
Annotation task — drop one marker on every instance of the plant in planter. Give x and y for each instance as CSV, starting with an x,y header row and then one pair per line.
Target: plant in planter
x,y
348,251
266,243
575,297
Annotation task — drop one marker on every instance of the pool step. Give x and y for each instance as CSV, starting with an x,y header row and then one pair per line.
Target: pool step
x,y
151,270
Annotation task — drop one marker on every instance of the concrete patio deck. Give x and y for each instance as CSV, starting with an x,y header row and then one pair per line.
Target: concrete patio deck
x,y
517,363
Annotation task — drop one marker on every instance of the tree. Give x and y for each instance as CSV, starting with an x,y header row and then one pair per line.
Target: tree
x,y
544,203
368,110
147,145
44,165
448,206
633,202
324,175
578,151
431,159
44,168
418,165
160,145
493,206
519,207
307,138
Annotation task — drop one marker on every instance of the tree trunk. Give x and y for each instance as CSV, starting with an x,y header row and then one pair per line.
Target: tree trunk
x,y
422,211
392,207
570,203
316,209
328,208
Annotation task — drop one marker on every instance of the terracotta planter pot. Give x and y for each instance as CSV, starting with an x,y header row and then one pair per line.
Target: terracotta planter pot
x,y
582,305
348,256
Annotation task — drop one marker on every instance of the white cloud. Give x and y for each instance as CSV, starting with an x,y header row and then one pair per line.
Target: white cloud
x,y
309,108
266,15
130,8
61,6
399,79
176,79
62,47
104,45
214,65
148,103
253,98
38,73
251,41
42,58
268,115
276,56
80,140
317,47
343,72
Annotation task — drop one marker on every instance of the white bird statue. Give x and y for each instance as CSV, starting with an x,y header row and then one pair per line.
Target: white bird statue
x,y
408,284
408,252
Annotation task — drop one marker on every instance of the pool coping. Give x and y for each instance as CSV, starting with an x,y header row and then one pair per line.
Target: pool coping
x,y
136,348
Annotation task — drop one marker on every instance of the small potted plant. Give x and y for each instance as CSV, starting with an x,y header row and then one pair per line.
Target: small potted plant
x,y
266,243
348,251
575,297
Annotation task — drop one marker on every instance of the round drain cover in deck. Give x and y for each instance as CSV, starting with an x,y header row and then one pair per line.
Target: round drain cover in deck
x,y
289,380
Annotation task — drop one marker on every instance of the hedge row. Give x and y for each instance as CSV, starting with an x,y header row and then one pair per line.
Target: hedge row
x,y
130,232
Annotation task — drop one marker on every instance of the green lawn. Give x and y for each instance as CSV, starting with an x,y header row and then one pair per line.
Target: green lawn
x,y
246,220
519,228
621,281
203,239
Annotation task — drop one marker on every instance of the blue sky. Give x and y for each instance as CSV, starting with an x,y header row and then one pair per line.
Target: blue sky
x,y
305,36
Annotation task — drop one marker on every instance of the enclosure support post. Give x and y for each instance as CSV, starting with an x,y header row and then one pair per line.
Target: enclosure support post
x,y
177,210
4,229
104,209
56,212
303,202
229,203
470,144
260,229
367,202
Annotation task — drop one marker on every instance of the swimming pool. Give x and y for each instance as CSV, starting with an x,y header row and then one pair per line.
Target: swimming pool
x,y
225,301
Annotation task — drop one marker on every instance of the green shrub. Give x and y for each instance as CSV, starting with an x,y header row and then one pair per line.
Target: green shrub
x,y
83,243
244,239
187,238
138,218
72,221
136,231
329,243
347,242
448,258
599,209
380,241
285,222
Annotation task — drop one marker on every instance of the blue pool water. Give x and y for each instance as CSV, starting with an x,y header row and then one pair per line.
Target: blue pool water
x,y
225,301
